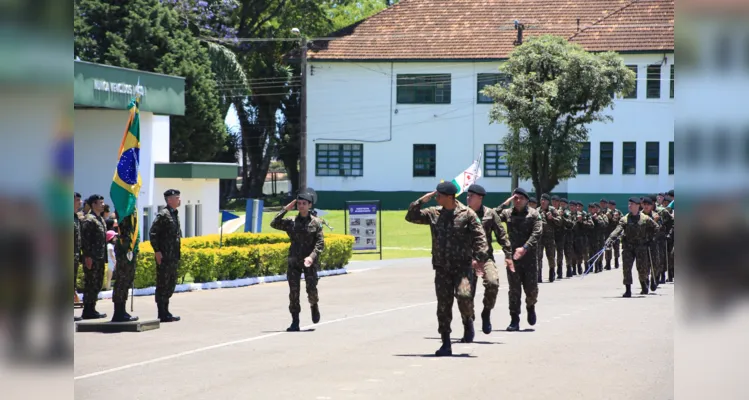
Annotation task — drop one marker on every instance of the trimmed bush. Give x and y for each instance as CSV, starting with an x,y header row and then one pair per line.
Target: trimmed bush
x,y
243,255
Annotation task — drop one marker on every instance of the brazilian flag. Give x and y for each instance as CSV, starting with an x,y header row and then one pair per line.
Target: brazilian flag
x,y
126,182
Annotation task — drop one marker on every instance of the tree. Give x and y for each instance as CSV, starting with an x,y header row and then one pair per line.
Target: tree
x,y
150,36
557,89
344,13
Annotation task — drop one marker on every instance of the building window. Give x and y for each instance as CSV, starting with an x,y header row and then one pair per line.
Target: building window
x,y
425,159
495,164
629,158
672,81
424,89
485,80
607,158
338,159
633,93
652,158
583,162
671,158
722,146
654,82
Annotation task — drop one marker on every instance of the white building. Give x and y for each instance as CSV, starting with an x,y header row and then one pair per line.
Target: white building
x,y
394,105
102,94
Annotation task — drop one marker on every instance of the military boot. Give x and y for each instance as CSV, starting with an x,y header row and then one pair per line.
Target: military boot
x,y
486,322
89,312
616,262
653,284
580,269
628,292
294,327
570,272
551,274
169,315
531,315
120,315
540,279
446,349
608,265
644,286
514,323
559,272
315,314
468,331
663,278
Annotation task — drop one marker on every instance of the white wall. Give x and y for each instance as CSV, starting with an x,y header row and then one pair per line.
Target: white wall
x,y
192,191
357,101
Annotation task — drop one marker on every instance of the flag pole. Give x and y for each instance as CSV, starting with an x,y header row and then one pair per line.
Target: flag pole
x,y
135,225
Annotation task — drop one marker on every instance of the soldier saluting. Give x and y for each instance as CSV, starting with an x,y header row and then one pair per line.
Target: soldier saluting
x,y
459,247
307,244
166,234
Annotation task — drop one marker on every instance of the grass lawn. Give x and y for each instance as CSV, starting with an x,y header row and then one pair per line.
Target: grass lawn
x,y
400,238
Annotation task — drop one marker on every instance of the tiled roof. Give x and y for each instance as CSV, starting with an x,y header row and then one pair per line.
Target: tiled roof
x,y
484,29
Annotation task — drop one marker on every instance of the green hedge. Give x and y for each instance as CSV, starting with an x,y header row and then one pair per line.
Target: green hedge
x,y
243,255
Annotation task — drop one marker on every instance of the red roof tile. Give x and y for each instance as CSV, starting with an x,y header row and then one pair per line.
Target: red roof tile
x,y
484,29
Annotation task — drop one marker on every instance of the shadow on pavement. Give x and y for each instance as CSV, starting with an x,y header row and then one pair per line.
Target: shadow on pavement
x,y
520,331
432,355
639,296
301,331
458,341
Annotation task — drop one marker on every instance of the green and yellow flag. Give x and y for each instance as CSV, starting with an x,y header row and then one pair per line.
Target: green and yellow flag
x,y
126,182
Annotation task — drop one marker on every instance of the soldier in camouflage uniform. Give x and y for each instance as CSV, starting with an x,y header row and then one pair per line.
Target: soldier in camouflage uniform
x,y
458,244
654,248
533,203
94,246
551,222
524,226
615,216
491,223
595,241
76,245
125,271
669,226
665,221
567,238
307,244
636,230
166,238
579,236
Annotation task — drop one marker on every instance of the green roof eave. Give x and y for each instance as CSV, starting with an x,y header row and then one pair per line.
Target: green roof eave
x,y
105,86
190,170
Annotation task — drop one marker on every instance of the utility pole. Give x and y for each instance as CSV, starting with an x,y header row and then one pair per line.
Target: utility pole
x,y
303,121
515,182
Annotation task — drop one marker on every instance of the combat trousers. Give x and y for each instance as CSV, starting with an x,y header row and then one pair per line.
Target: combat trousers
x,y
124,275
491,285
593,248
93,281
670,257
630,254
655,260
662,245
524,278
560,243
446,282
546,243
580,246
615,249
294,277
166,279
569,252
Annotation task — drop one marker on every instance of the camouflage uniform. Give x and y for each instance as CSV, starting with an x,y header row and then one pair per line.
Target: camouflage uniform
x,y
669,225
564,243
524,229
637,231
166,236
492,224
76,247
94,246
654,248
580,228
548,240
307,240
665,221
614,217
457,238
596,238
125,271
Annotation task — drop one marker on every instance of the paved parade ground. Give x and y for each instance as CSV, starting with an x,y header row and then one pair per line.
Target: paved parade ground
x,y
377,338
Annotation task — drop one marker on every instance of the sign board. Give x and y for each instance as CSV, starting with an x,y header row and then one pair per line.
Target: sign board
x,y
364,223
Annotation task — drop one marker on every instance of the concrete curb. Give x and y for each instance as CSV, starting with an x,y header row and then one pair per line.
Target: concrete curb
x,y
191,287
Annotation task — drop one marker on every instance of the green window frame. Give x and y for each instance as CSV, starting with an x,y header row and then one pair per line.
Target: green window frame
x,y
495,164
633,93
425,160
653,84
484,80
629,158
671,157
423,89
606,164
672,80
333,159
652,158
583,161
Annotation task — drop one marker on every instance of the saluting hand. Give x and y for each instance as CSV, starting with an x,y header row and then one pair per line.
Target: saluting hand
x,y
425,198
290,206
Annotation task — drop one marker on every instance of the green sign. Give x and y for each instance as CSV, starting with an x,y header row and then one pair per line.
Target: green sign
x,y
104,86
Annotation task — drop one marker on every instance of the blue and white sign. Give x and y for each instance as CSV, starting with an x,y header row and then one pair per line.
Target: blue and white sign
x,y
363,223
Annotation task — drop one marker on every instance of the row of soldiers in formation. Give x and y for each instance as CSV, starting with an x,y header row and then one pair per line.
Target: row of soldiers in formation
x,y
90,249
462,248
